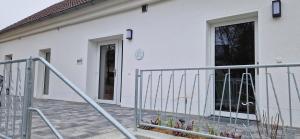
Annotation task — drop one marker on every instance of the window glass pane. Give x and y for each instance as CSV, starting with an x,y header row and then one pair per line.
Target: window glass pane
x,y
234,45
107,72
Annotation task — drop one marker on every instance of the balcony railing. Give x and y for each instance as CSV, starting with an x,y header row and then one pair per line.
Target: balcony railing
x,y
258,101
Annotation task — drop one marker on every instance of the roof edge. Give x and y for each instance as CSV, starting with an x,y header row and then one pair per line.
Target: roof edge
x,y
90,13
62,7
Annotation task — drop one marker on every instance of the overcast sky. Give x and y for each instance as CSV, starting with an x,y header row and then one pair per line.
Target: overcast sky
x,y
12,11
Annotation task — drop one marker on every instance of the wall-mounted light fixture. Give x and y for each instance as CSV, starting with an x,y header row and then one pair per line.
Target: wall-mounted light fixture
x,y
145,8
129,33
276,8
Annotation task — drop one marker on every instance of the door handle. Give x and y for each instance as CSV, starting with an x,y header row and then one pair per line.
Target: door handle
x,y
257,70
114,71
250,103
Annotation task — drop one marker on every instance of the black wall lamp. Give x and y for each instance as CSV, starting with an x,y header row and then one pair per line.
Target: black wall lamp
x,y
129,34
276,8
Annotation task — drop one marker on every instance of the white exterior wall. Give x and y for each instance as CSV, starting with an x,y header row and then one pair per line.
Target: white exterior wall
x,y
172,34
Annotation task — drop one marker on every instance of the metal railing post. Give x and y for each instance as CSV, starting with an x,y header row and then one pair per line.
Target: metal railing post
x,y
229,94
28,95
290,96
136,99
267,95
247,97
140,94
45,119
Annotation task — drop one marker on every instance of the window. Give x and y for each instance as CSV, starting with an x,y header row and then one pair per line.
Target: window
x,y
46,54
234,45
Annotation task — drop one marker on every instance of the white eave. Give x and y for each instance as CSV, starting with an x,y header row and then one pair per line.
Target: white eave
x,y
93,12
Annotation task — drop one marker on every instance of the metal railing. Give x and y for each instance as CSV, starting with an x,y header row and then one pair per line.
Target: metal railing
x,y
16,102
218,102
12,98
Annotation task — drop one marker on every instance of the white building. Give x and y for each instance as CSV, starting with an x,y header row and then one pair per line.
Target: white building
x,y
166,34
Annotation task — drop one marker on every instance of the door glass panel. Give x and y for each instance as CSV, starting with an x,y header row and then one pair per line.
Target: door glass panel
x,y
47,74
8,73
107,72
234,45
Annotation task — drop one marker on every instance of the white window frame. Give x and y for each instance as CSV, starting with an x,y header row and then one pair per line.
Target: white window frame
x,y
211,61
118,67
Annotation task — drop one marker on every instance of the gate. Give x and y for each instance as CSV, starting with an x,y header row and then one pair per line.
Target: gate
x,y
16,99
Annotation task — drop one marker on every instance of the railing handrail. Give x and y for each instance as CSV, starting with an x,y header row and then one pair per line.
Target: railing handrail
x,y
4,136
227,67
82,94
87,98
45,119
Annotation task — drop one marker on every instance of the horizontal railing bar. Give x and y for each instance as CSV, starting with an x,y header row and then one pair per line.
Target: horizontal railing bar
x,y
227,67
199,68
89,100
13,61
4,137
45,119
185,131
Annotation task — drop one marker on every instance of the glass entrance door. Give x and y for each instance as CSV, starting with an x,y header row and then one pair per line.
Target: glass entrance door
x,y
107,72
234,45
110,71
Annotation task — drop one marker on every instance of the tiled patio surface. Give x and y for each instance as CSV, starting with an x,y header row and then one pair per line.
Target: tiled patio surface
x,y
80,121
77,120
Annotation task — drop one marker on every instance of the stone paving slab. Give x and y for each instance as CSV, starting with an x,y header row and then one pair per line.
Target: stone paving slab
x,y
80,121
77,120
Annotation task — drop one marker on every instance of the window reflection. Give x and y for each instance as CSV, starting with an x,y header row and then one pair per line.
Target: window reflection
x,y
234,45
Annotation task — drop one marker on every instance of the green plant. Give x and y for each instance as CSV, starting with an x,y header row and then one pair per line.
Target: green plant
x,y
211,130
159,119
274,127
170,122
269,130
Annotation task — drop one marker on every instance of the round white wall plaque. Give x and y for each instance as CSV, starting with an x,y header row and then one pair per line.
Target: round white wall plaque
x,y
139,54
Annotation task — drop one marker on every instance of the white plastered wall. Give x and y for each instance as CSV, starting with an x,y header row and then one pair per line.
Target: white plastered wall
x,y
172,34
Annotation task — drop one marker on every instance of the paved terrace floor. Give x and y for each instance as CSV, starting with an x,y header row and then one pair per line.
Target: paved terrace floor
x,y
77,120
80,121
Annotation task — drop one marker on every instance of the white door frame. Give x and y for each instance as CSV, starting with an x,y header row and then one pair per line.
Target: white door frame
x,y
211,58
118,70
